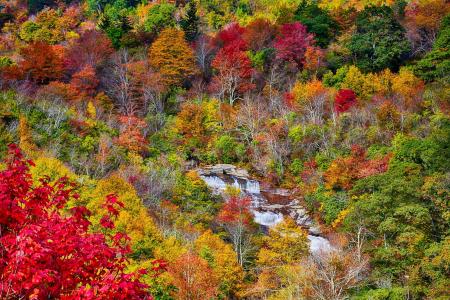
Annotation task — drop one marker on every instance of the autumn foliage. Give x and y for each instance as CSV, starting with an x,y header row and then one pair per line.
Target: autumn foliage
x,y
344,171
259,34
236,209
47,251
41,63
172,57
234,71
85,82
144,104
92,48
344,100
231,34
292,43
193,277
131,134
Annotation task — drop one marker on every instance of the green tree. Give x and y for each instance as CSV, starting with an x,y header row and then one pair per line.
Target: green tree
x,y
436,63
194,198
228,150
318,21
191,22
114,21
100,5
405,209
430,277
159,17
36,5
379,41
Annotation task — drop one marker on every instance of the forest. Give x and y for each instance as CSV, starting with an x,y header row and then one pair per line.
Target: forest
x,y
225,149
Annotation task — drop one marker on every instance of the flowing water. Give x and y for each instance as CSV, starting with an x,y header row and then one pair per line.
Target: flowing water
x,y
269,206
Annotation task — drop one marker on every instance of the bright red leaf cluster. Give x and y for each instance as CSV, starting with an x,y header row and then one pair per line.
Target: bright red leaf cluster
x,y
344,100
231,34
46,251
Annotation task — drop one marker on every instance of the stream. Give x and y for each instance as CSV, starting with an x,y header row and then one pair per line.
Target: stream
x,y
269,206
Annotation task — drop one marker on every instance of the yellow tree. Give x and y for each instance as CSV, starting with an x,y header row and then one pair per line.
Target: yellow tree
x,y
407,89
286,243
198,121
222,259
354,80
313,100
171,56
284,248
26,142
133,218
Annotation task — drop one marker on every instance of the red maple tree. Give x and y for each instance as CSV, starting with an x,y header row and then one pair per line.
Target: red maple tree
x,y
292,43
231,34
344,100
236,209
46,250
234,71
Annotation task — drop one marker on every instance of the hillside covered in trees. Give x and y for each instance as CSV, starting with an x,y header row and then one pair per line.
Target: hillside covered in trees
x,y
200,149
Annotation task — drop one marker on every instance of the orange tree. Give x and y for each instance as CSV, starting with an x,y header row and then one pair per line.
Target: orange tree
x,y
172,57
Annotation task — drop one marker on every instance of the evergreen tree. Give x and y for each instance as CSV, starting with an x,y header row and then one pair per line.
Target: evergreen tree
x,y
191,22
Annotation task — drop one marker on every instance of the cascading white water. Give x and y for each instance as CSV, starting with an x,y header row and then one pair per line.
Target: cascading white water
x,y
215,183
267,218
264,213
218,184
318,244
252,186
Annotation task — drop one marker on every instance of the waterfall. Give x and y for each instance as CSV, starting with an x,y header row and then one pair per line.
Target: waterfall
x,y
318,244
215,183
252,186
265,213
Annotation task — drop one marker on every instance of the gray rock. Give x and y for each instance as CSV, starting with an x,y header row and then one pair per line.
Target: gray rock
x,y
273,206
222,169
279,192
315,230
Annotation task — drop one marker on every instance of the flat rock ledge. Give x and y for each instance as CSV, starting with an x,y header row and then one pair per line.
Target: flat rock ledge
x,y
222,169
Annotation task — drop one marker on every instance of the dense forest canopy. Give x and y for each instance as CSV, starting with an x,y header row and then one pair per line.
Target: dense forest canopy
x,y
109,109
